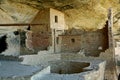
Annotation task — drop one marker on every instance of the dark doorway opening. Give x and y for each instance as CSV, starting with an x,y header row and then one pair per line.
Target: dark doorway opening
x,y
3,44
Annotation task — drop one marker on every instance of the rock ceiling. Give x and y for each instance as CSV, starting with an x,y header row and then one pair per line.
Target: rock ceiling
x,y
82,14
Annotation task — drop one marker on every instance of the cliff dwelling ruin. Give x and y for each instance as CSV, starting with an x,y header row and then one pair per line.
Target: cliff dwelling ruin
x,y
59,40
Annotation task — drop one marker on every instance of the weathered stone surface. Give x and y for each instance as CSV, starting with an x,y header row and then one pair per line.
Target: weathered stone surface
x,y
97,71
13,45
40,58
83,14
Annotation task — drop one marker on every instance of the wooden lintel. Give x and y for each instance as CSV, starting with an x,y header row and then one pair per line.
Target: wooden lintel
x,y
26,24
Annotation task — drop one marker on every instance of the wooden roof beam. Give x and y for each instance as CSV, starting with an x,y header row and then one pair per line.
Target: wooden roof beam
x,y
26,24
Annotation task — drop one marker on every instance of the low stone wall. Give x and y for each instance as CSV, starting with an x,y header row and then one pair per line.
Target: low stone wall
x,y
10,58
39,58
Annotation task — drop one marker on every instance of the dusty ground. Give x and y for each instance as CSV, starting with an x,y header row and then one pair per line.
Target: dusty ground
x,y
15,69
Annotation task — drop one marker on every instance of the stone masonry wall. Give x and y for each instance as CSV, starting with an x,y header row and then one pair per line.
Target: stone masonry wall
x,y
40,42
91,42
70,43
94,42
40,38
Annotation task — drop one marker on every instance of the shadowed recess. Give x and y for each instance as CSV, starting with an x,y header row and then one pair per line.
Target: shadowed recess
x,y
3,44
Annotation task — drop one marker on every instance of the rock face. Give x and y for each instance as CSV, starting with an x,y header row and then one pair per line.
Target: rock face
x,y
13,44
83,14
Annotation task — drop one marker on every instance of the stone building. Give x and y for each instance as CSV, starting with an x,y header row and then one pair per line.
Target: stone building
x,y
45,36
51,35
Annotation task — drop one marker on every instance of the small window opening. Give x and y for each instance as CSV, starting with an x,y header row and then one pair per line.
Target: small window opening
x,y
73,40
56,19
